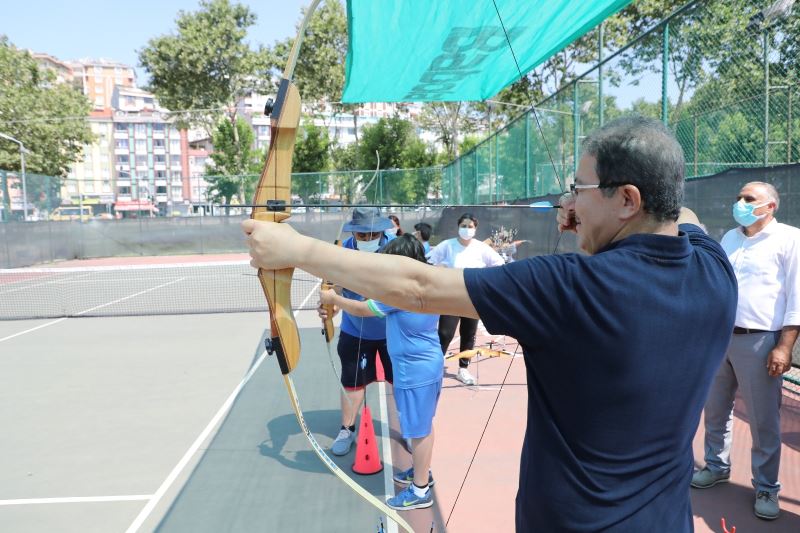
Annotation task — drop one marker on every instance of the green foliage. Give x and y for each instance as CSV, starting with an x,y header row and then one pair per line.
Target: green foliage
x,y
469,142
395,141
49,118
388,137
311,154
319,74
207,64
235,163
345,157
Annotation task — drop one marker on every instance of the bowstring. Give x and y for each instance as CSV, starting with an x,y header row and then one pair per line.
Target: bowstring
x,y
558,240
359,359
535,114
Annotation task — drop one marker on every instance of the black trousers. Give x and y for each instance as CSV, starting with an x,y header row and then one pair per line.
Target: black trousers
x,y
447,330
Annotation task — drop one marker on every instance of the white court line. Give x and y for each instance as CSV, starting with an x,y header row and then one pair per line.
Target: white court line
x,y
386,444
173,475
91,309
112,268
78,499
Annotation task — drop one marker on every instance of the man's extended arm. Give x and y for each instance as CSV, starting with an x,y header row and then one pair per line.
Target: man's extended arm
x,y
397,281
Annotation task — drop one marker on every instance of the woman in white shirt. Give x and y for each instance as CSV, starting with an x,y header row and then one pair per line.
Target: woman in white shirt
x,y
463,251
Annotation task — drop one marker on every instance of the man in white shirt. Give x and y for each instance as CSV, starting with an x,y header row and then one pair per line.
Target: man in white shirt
x,y
765,255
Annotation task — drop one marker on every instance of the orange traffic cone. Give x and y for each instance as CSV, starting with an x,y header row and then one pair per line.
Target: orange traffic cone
x,y
367,459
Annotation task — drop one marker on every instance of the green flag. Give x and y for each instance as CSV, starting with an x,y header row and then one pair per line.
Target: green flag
x,y
437,50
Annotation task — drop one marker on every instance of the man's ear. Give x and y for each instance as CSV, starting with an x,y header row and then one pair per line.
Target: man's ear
x,y
631,199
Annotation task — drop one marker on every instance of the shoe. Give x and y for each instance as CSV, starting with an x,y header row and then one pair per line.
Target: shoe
x,y
407,500
406,477
705,478
766,506
465,377
343,442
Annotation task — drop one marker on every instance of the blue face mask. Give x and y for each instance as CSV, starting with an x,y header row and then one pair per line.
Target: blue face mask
x,y
743,213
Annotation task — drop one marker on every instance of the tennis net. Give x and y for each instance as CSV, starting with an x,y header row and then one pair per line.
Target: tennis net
x,y
156,289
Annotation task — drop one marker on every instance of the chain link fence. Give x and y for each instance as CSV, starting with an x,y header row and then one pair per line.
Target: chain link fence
x,y
39,197
722,74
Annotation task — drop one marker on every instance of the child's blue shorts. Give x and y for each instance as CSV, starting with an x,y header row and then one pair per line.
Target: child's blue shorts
x,y
416,408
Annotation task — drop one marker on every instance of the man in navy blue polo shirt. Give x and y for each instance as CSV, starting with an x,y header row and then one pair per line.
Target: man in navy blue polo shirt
x,y
620,344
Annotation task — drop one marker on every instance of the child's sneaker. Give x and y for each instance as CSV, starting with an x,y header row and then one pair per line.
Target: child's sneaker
x,y
407,500
406,477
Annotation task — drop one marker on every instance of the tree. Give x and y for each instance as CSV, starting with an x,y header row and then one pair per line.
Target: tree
x,y
398,148
49,118
319,74
235,163
311,154
207,66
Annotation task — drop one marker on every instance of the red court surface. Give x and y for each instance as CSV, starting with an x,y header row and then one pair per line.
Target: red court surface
x,y
489,472
147,260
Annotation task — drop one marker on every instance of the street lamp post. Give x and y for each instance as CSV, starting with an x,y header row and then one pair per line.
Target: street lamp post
x,y
22,152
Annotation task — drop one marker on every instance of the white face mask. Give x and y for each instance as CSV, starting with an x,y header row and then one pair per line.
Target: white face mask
x,y
369,246
466,233
391,231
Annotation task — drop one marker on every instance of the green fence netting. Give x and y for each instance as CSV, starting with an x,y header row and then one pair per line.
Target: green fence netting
x,y
722,74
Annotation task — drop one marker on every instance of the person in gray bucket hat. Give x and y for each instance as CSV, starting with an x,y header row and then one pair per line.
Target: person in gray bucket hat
x,y
360,338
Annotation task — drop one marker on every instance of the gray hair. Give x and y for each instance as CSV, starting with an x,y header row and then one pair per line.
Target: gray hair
x,y
642,152
772,192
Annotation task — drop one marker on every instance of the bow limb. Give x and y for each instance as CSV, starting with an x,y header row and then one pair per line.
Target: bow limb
x,y
480,352
358,489
272,201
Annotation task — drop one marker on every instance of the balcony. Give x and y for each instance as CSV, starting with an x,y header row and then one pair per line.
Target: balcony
x,y
124,182
121,151
124,198
121,134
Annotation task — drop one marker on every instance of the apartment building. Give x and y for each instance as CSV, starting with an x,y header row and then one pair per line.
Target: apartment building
x,y
99,77
91,181
342,127
147,153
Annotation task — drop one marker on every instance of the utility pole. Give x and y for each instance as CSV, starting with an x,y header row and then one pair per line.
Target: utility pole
x,y
22,152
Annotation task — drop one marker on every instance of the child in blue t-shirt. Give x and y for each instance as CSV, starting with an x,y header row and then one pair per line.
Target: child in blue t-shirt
x,y
418,365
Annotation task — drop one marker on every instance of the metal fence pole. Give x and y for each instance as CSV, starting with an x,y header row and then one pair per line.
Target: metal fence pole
x,y
474,198
694,117
664,74
766,97
496,168
600,45
575,123
528,154
789,128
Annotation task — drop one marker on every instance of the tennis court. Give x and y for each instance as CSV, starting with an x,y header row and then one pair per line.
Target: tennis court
x,y
133,403
132,407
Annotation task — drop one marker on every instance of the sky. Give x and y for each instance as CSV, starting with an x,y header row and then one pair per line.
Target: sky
x,y
115,30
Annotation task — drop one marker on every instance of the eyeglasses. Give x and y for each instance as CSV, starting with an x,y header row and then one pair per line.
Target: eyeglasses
x,y
575,187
